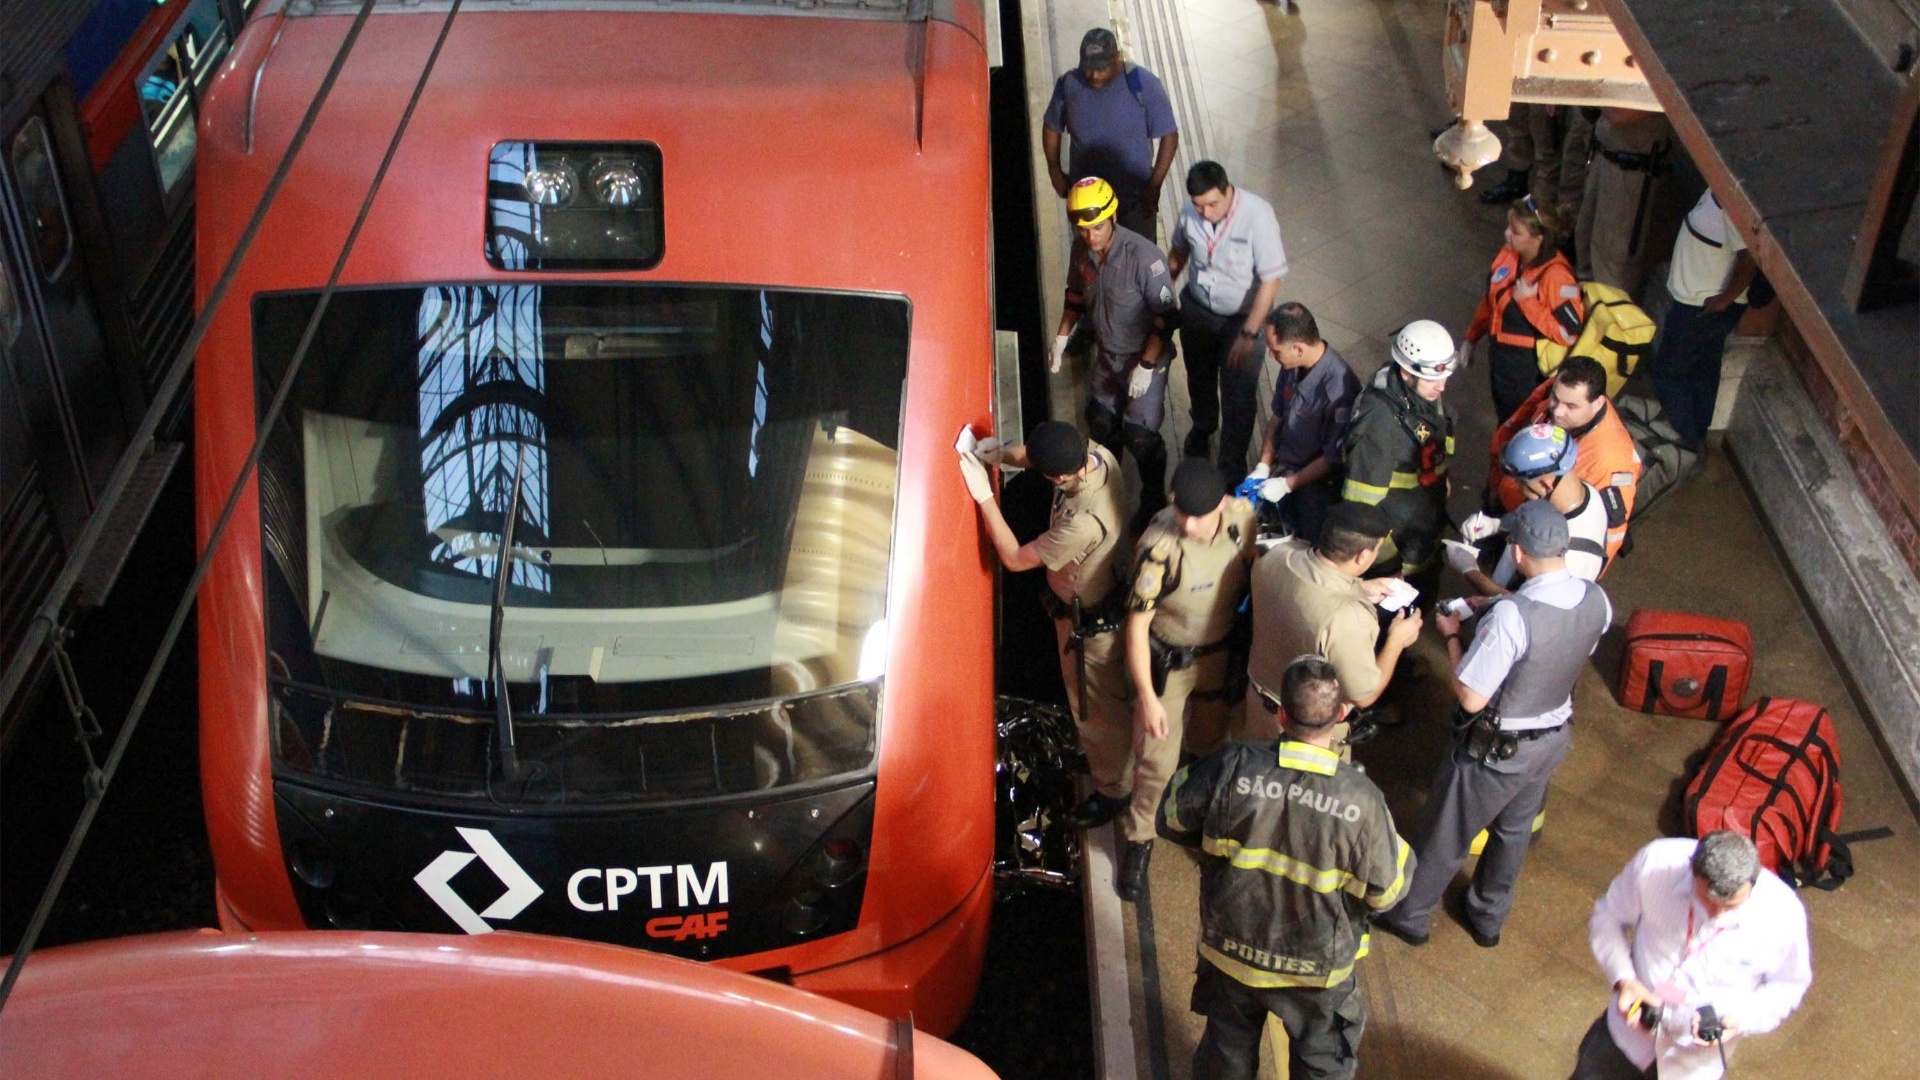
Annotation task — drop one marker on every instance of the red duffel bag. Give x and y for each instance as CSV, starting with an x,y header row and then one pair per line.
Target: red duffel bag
x,y
1774,777
1685,665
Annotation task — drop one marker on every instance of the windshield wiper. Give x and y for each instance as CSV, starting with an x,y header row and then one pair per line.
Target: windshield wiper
x,y
496,665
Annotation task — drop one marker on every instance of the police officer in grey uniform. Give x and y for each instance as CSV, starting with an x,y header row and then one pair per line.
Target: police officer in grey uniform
x,y
1085,552
1515,687
1122,286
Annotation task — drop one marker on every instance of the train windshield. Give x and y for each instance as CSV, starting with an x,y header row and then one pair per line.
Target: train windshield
x,y
663,513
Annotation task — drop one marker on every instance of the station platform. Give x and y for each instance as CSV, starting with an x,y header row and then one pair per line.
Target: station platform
x,y
1325,110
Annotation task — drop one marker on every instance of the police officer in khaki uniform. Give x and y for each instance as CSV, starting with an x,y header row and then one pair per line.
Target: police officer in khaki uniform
x,y
1085,552
1309,599
1630,157
1193,566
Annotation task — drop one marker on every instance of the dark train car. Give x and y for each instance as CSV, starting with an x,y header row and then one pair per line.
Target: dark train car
x,y
601,577
97,139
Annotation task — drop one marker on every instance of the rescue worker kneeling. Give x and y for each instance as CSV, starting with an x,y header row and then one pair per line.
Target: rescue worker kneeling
x,y
1196,559
1301,847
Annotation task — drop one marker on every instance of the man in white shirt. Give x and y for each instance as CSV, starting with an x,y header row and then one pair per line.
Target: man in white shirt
x,y
1711,271
1228,242
1708,927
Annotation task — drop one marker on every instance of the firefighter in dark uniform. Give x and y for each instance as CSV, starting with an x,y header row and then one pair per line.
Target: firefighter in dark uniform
x,y
1399,443
1086,555
1300,849
1195,562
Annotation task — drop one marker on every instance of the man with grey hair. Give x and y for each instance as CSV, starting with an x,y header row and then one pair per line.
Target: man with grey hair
x,y
1278,820
1691,924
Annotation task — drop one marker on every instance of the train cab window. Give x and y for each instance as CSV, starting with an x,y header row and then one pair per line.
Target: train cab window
x,y
171,87
675,502
48,227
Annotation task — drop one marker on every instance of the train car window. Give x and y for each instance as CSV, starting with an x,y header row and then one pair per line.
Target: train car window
x,y
9,307
171,86
696,589
46,210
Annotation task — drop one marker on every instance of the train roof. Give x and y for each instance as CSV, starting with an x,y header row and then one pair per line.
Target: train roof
x,y
337,1004
829,127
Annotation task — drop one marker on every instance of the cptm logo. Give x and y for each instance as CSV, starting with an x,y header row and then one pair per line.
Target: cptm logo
x,y
690,890
436,881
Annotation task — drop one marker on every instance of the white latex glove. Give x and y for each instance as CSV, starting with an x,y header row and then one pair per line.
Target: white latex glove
x,y
990,450
1140,382
1276,489
974,472
1059,354
1479,527
1463,355
1260,472
1462,557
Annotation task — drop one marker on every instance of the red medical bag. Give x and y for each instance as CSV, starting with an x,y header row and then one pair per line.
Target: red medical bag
x,y
1774,776
1685,665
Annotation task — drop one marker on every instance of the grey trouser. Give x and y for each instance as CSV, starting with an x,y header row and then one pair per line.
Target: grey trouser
x,y
1108,386
1323,1027
1601,1058
1468,796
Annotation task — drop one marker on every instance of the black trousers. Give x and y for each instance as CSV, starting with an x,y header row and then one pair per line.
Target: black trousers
x,y
1222,396
1323,1027
1601,1059
1514,371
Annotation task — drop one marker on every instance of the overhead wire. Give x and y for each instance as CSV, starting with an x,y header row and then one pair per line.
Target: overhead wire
x,y
266,423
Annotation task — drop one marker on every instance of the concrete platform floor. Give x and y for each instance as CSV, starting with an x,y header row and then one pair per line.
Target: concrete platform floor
x,y
1325,111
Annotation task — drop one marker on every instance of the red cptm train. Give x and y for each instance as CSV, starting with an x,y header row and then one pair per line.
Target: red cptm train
x,y
600,578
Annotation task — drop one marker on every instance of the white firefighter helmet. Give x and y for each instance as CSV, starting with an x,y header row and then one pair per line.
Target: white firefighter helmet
x,y
1425,349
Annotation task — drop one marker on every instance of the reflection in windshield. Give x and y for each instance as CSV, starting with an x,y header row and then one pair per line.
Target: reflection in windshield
x,y
700,570
482,372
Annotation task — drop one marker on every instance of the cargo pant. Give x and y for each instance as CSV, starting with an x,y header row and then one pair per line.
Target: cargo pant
x,y
1196,719
1323,1027
1106,730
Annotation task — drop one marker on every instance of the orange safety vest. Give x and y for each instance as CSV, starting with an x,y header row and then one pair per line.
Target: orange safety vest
x,y
1609,460
1555,310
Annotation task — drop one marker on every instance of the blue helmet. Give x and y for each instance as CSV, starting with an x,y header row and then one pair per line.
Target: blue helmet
x,y
1539,450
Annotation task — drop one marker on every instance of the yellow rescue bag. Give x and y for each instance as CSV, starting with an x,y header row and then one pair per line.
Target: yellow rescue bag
x,y
1617,334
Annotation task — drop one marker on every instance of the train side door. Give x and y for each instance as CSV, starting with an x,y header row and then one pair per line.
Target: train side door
x,y
30,550
69,388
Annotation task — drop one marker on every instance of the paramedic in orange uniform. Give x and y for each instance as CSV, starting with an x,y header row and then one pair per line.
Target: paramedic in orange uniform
x,y
1576,399
1531,294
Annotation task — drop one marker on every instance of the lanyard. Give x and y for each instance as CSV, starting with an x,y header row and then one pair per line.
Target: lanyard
x,y
1220,230
1689,950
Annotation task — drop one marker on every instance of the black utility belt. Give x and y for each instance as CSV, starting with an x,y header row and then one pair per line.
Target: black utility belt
x,y
1164,659
1103,618
1632,162
1267,701
1486,743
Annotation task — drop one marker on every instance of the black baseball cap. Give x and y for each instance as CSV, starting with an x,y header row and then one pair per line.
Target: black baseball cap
x,y
1198,487
1098,50
1057,449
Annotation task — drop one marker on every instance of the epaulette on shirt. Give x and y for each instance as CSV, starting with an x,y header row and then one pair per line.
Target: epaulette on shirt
x,y
1151,577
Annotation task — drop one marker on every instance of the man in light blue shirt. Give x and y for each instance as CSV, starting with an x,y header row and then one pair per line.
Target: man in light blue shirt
x,y
1515,687
1228,242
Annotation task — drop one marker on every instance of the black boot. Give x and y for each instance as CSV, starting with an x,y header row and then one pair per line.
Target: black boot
x,y
1514,186
1150,457
1096,810
1132,876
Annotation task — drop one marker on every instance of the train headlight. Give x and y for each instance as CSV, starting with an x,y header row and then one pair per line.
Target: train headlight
x,y
575,206
551,185
616,182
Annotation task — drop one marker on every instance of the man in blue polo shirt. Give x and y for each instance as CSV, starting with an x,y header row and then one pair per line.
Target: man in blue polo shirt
x,y
1228,242
1300,459
1113,111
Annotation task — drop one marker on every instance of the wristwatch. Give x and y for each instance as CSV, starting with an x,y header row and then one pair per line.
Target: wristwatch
x,y
1248,335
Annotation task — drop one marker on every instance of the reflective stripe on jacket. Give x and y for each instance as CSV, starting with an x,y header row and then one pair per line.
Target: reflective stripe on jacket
x,y
1555,310
1302,848
1399,446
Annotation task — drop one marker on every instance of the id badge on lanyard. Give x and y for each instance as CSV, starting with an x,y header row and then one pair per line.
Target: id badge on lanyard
x,y
1669,991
